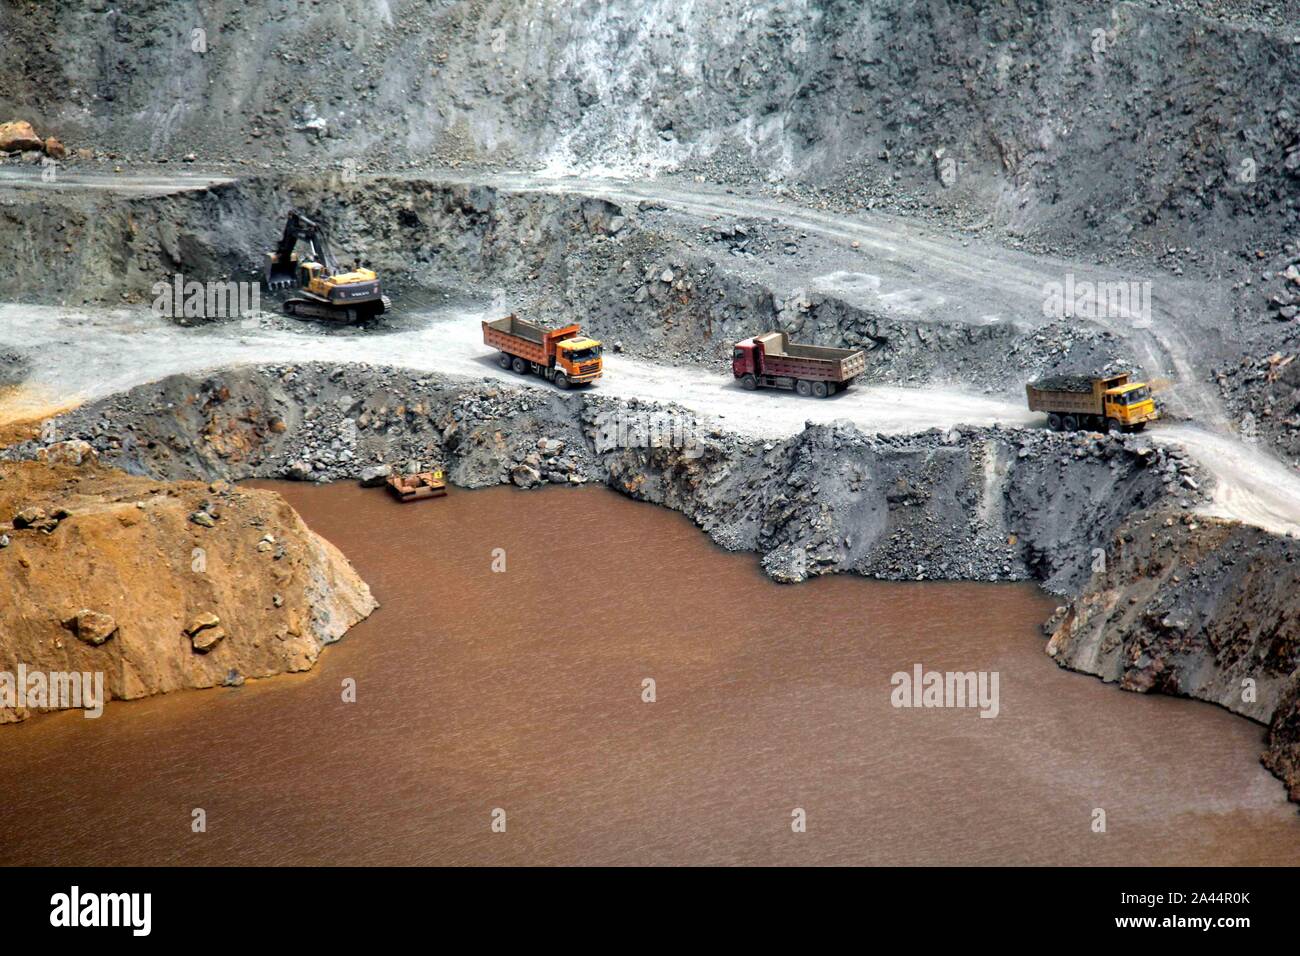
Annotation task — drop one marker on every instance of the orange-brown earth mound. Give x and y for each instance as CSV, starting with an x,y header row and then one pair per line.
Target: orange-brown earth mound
x,y
161,585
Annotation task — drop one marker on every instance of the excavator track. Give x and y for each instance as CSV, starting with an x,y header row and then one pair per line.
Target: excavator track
x,y
304,308
310,309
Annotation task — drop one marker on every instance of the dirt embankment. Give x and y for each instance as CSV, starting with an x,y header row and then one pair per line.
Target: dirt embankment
x,y
962,504
1202,608
161,586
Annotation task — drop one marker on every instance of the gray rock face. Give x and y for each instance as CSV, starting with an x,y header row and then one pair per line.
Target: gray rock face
x,y
978,504
1196,607
887,103
375,475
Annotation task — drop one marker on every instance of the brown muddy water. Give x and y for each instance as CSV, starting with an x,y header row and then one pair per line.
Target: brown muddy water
x,y
522,690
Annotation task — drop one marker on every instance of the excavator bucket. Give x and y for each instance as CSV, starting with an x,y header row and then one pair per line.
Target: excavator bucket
x,y
281,274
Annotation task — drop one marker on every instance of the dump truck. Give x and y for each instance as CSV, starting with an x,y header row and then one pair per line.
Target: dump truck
x,y
564,355
773,361
1098,403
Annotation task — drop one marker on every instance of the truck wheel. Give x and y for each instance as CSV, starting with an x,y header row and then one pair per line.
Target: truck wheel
x,y
803,388
519,365
748,382
1070,423
820,389
1113,425
562,381
1054,421
504,360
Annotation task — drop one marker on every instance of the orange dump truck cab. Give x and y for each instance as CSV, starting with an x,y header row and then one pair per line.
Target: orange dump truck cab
x,y
563,355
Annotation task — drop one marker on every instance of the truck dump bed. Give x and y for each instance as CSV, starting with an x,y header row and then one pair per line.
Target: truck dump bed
x,y
809,362
513,325
520,337
1071,394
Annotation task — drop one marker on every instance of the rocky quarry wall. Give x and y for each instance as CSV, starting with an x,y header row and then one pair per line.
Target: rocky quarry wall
x,y
646,281
1132,118
1201,608
982,504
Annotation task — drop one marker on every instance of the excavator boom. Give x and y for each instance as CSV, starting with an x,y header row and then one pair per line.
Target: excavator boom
x,y
282,265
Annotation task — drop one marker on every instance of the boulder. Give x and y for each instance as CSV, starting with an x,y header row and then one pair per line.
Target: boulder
x,y
74,453
206,639
54,149
93,627
375,475
18,136
37,519
29,517
525,476
201,623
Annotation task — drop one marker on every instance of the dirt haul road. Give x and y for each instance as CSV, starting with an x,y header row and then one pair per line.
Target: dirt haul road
x,y
917,270
133,184
905,270
91,354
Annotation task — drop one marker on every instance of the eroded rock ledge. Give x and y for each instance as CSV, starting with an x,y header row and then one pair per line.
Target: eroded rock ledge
x,y
991,504
1200,608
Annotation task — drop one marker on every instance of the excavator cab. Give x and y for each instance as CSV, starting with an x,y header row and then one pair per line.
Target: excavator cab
x,y
308,272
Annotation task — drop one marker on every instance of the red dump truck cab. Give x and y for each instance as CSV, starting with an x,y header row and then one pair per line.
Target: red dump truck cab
x,y
562,355
771,360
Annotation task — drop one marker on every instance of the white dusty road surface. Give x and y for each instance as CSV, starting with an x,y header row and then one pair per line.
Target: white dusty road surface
x,y
86,355
133,184
912,270
1251,485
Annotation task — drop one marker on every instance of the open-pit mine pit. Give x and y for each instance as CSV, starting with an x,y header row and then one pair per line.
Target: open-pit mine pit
x,y
896,614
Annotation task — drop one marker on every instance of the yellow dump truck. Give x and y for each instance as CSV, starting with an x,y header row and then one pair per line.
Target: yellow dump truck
x,y
1109,403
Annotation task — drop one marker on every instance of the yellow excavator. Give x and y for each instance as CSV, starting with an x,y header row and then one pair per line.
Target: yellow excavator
x,y
323,291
